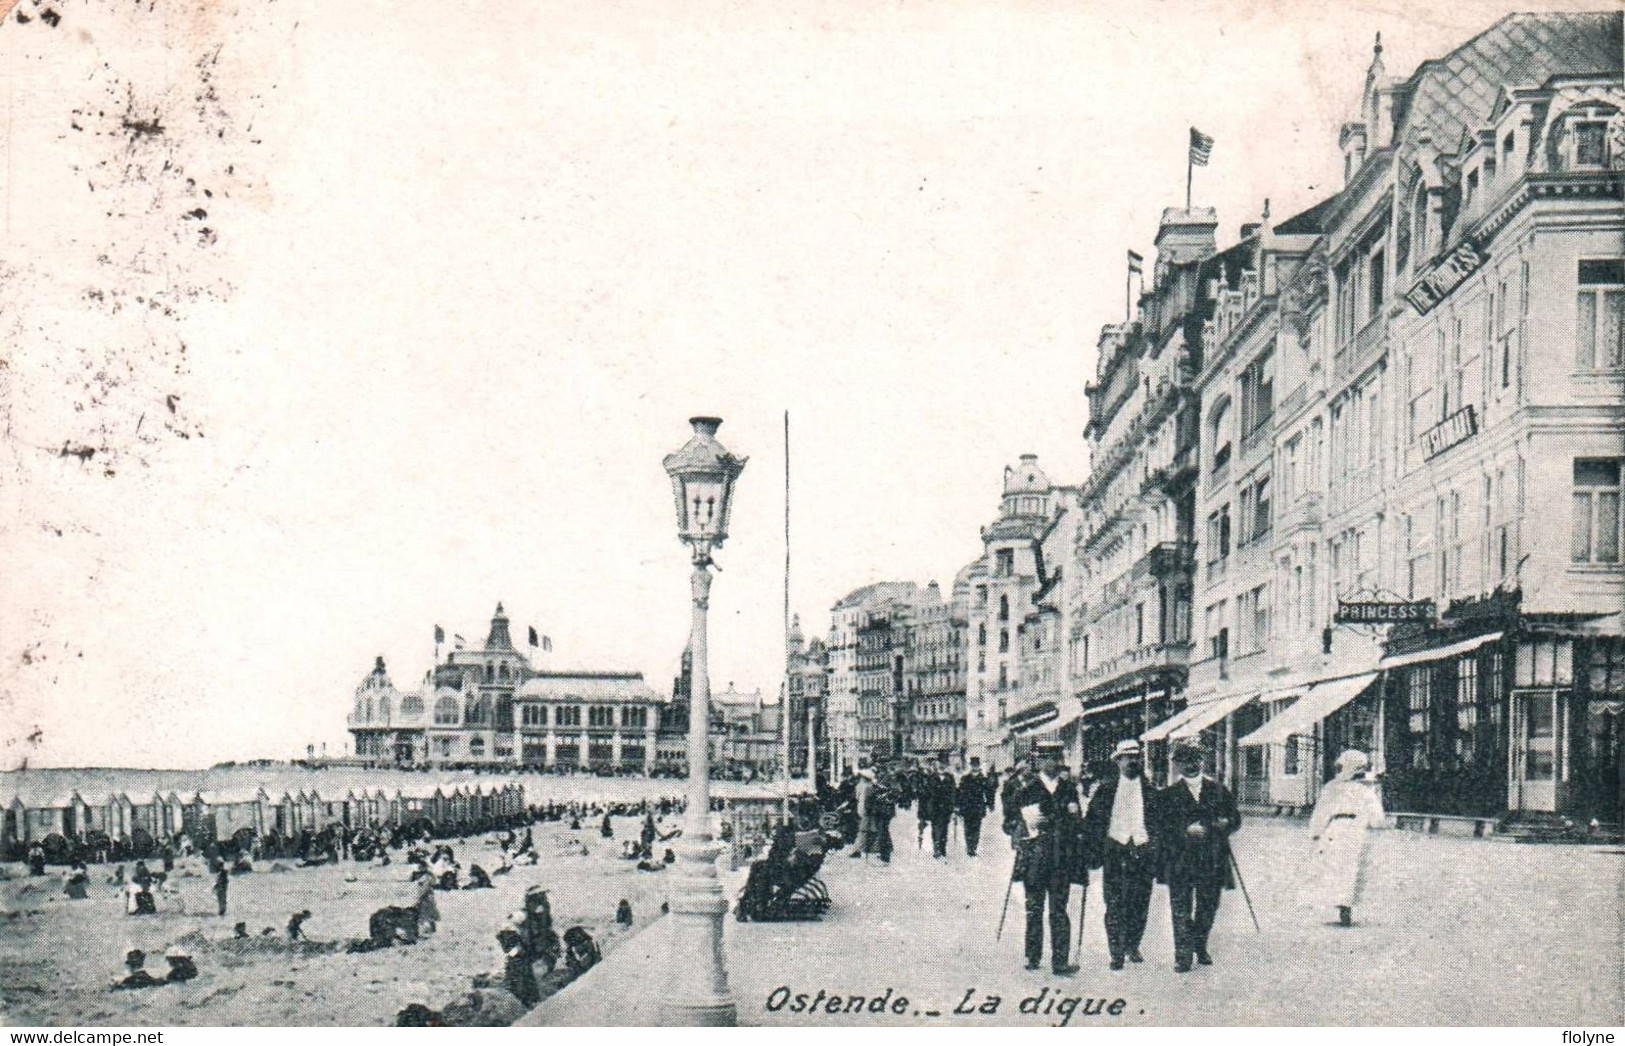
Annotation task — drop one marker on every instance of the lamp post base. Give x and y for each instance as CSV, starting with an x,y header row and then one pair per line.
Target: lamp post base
x,y
697,992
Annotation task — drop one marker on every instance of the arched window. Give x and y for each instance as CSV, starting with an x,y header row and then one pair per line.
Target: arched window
x,y
369,709
476,747
384,709
502,671
411,705
479,711
490,672
981,634
1004,608
445,711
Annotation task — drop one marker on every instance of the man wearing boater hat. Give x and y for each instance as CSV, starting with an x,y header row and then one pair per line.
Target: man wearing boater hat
x,y
1043,815
1119,833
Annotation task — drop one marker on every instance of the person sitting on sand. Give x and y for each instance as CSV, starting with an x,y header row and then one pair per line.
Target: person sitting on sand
x,y
77,885
135,977
181,967
240,932
517,974
296,923
477,879
117,878
36,859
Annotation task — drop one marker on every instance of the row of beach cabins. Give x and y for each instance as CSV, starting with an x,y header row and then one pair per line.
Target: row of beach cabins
x,y
221,813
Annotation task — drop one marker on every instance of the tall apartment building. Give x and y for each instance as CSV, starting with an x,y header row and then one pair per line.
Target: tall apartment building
x,y
934,673
1134,553
807,688
1001,585
860,716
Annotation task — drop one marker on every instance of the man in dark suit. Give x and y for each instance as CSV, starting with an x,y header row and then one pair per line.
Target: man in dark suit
x,y
1120,831
972,798
1043,814
937,805
1197,816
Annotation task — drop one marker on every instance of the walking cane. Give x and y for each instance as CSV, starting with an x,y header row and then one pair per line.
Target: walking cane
x,y
1077,946
1006,909
1244,895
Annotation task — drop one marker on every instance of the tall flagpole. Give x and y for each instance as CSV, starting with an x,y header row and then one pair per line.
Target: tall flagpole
x,y
784,706
1190,166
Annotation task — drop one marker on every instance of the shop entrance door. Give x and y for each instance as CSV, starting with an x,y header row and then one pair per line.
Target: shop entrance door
x,y
1535,751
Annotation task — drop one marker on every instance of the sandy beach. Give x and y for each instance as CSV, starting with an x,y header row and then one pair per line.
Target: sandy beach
x,y
58,957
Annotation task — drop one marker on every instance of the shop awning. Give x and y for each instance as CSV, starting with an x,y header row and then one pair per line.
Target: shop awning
x,y
1161,731
1060,714
1321,701
1439,652
1031,718
1209,712
1070,711
1110,705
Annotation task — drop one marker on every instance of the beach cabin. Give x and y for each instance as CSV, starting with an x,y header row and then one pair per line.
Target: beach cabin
x,y
11,828
236,809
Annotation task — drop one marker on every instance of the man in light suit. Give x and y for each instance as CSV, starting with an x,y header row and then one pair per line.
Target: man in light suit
x,y
1196,817
1121,832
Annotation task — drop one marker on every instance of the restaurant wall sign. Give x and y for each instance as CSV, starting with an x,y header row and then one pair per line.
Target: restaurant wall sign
x,y
1375,612
1445,275
1457,428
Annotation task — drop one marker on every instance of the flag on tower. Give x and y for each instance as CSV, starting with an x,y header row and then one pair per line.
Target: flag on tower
x,y
534,641
458,640
1201,148
547,644
439,635
1135,263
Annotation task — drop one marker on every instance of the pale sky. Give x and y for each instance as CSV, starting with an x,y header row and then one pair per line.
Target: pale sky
x,y
435,287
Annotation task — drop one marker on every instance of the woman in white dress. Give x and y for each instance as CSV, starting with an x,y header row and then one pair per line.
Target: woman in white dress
x,y
1347,808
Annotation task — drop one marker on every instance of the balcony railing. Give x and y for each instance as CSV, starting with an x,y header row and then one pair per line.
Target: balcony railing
x,y
1162,655
1260,436
1307,510
1354,354
1169,557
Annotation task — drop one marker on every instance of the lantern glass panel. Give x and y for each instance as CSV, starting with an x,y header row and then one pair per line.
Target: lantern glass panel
x,y
704,504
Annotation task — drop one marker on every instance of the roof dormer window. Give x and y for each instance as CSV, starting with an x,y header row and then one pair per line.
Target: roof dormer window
x,y
1590,143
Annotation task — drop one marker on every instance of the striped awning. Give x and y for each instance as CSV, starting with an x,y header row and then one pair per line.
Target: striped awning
x,y
1210,712
1300,718
1063,714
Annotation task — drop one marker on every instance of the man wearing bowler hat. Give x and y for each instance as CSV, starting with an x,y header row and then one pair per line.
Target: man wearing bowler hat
x,y
1197,816
1119,832
1044,817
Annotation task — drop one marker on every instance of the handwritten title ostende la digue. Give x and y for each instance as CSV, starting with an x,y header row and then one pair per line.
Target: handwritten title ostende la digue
x,y
1046,1004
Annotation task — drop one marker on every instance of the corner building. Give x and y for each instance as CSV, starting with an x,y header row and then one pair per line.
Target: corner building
x,y
1414,400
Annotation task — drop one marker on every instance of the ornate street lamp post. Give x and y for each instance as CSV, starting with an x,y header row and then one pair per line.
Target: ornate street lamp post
x,y
702,480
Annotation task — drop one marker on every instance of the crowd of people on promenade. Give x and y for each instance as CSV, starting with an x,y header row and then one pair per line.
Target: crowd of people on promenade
x,y
1113,820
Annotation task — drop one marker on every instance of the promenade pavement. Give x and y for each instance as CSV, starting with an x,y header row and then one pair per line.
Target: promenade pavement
x,y
1451,931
